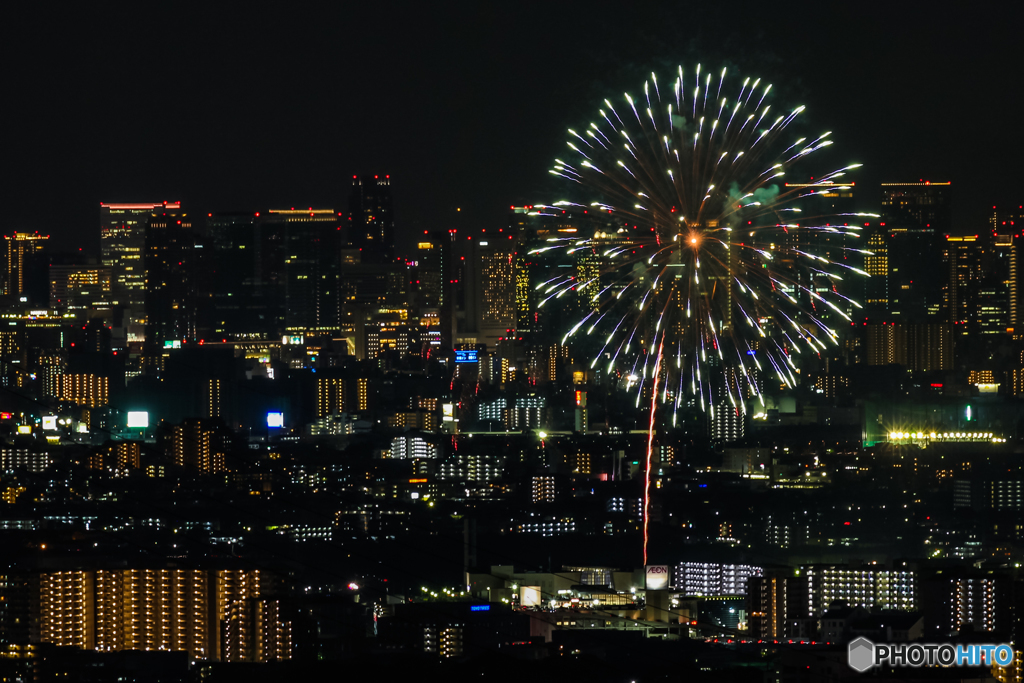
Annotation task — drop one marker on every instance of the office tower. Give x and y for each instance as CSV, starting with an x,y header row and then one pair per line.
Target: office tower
x,y
1006,225
432,286
82,291
490,289
997,289
1007,219
122,242
876,265
963,261
200,444
917,217
922,205
833,202
310,247
241,278
372,220
170,296
25,267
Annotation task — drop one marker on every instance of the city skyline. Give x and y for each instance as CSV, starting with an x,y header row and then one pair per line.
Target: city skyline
x,y
321,352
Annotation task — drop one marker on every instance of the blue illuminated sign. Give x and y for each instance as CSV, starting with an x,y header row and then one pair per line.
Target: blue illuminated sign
x,y
465,357
480,608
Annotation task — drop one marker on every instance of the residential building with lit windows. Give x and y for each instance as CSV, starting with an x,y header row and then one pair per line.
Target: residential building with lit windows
x,y
467,467
252,630
200,444
549,526
117,457
866,586
542,489
412,446
713,578
330,396
777,604
210,614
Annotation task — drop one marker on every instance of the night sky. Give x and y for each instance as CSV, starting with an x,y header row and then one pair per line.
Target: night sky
x,y
276,107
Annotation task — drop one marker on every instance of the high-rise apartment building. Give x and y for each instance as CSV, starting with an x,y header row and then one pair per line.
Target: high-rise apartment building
x,y
84,389
924,347
876,265
714,578
372,219
117,457
201,445
253,631
330,396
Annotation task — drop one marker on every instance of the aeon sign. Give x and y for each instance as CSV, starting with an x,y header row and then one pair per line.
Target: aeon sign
x,y
657,577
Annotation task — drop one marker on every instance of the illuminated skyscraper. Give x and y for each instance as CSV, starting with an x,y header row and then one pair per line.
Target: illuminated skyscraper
x,y
81,290
490,289
170,295
963,256
122,242
311,253
24,265
1007,225
372,219
922,204
917,217
240,283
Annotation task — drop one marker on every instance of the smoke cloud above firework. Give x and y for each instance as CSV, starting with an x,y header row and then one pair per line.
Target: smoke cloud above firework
x,y
711,273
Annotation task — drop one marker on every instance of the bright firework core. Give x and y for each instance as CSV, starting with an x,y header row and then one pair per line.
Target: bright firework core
x,y
698,161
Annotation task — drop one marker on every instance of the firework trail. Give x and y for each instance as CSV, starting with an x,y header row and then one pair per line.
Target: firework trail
x,y
708,277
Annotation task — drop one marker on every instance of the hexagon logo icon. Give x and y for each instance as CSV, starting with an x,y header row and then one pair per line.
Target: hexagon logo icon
x,y
861,654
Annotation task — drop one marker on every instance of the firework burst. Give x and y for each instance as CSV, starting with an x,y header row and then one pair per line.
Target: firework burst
x,y
713,274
